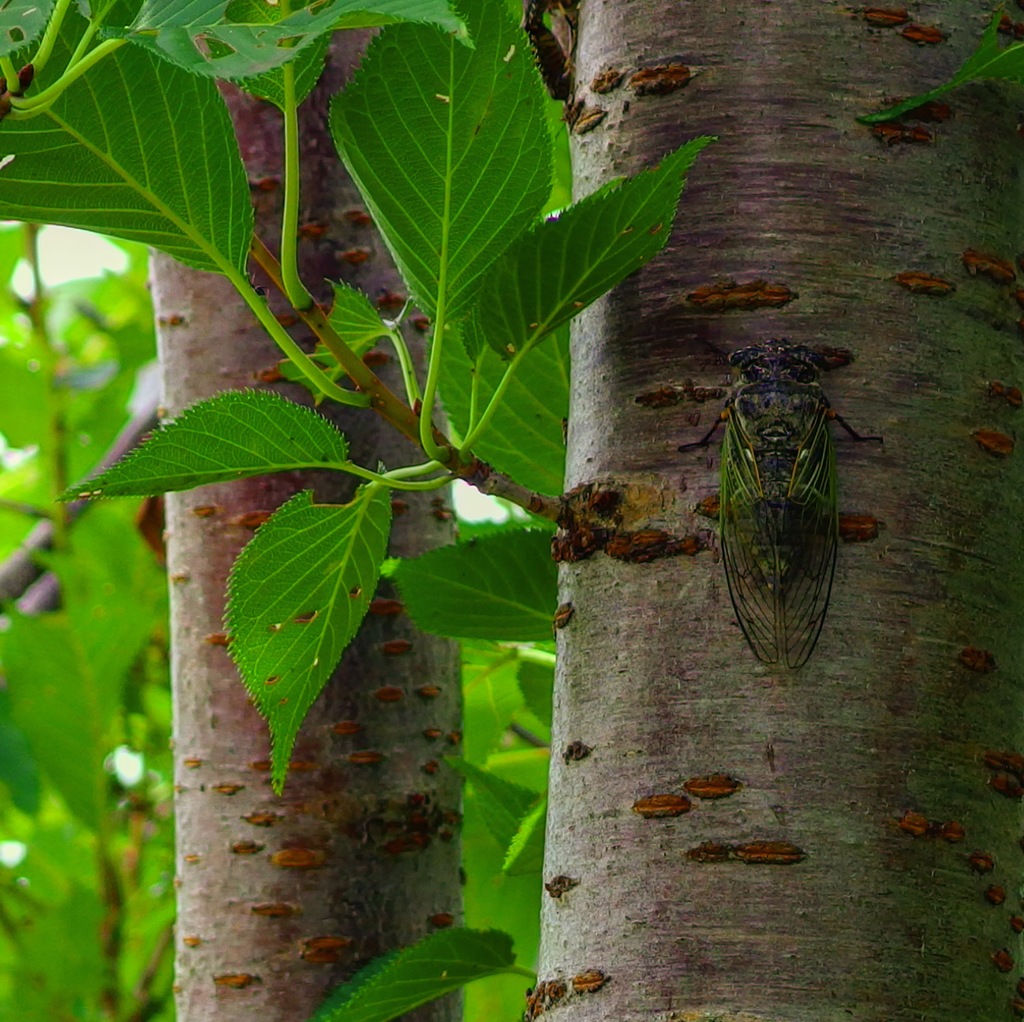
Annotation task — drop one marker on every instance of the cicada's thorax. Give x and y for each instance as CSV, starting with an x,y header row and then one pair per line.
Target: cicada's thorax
x,y
775,418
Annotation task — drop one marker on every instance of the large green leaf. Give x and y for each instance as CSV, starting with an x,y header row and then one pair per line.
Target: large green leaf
x,y
396,983
236,49
525,437
525,853
552,272
501,587
21,23
449,147
135,148
989,60
233,435
296,596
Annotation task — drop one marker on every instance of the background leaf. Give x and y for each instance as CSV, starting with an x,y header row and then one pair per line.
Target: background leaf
x,y
554,271
234,435
490,695
137,149
21,23
525,853
296,596
501,587
451,158
503,804
525,436
437,965
241,49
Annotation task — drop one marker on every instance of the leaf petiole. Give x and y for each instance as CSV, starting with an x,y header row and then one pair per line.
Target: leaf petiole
x,y
496,398
294,289
46,44
37,104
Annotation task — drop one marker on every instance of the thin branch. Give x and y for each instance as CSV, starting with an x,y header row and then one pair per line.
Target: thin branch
x,y
20,570
486,480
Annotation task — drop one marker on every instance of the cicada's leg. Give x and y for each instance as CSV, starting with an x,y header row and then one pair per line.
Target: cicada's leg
x,y
833,414
723,417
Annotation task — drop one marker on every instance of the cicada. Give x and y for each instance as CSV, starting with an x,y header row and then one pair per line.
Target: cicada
x,y
778,511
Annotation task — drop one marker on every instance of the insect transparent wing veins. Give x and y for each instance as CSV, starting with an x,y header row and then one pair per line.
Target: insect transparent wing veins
x,y
779,510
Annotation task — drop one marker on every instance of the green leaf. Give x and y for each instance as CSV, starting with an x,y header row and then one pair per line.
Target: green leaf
x,y
449,147
989,60
174,30
536,682
525,853
307,66
66,671
397,982
296,596
525,437
18,770
557,269
491,697
502,804
501,587
233,435
21,23
138,149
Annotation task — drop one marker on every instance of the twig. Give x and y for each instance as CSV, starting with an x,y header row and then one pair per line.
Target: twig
x,y
20,570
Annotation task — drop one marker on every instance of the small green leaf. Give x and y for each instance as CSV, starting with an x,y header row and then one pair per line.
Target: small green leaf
x,y
22,23
501,587
525,853
296,597
557,269
236,434
989,60
449,147
503,804
137,149
525,437
396,983
355,319
237,49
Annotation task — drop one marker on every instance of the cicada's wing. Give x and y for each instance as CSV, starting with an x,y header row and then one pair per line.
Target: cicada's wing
x,y
747,539
812,530
780,551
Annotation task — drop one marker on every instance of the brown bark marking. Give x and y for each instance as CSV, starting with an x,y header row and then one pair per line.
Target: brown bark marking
x,y
980,660
994,442
725,295
576,751
561,884
892,133
923,35
988,265
589,982
652,807
981,862
924,283
712,786
659,79
858,528
886,17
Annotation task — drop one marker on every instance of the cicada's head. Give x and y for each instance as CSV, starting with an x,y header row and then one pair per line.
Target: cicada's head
x,y
777,360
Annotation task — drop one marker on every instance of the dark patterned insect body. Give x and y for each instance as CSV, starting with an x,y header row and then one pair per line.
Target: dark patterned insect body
x,y
779,511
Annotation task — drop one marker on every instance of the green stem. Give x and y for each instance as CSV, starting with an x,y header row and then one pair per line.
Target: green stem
x,y
412,385
382,401
474,394
294,289
37,104
437,342
9,72
299,358
393,480
492,405
83,44
53,27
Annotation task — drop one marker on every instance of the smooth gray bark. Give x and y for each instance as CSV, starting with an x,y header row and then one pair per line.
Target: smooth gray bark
x,y
886,916
282,898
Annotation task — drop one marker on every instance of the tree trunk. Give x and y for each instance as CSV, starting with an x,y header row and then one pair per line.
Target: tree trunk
x,y
882,770
282,898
